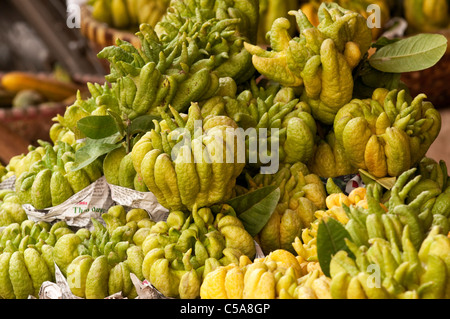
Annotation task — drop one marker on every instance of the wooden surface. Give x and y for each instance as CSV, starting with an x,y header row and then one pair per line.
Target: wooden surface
x,y
10,145
35,38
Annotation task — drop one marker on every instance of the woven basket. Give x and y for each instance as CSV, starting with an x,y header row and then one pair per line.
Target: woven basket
x,y
100,35
33,122
434,81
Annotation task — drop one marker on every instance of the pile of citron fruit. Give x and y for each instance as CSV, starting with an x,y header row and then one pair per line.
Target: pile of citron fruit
x,y
199,74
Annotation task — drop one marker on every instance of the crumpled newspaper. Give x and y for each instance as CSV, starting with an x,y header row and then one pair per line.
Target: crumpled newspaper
x,y
145,200
8,183
91,202
60,289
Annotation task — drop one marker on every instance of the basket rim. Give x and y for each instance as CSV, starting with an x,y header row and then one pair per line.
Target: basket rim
x,y
101,33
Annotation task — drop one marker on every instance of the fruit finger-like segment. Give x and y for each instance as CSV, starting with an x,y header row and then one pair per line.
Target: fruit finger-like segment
x,y
339,285
374,157
275,68
216,151
398,155
334,63
166,181
355,290
356,147
191,89
234,283
77,273
374,226
6,287
65,251
127,172
37,268
78,179
204,170
148,174
146,92
97,279
290,227
190,285
433,281
60,188
128,288
40,190
371,290
409,217
119,13
47,255
270,234
116,279
212,285
20,278
357,232
187,178
111,165
299,141
237,237
149,259
135,259
342,262
163,279
311,77
259,284
392,235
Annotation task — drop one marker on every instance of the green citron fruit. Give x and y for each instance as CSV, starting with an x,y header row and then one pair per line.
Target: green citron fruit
x,y
78,179
19,276
60,188
97,279
77,273
37,268
127,173
6,288
65,251
40,190
111,165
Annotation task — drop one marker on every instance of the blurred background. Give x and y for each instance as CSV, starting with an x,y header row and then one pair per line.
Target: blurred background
x,y
48,53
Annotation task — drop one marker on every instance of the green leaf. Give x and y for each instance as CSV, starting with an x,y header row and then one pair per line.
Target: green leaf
x,y
386,182
119,122
414,53
255,208
97,126
95,148
142,124
331,236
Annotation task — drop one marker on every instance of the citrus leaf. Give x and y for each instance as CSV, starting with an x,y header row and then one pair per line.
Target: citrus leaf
x,y
331,236
93,149
255,208
414,53
142,124
119,122
386,182
97,126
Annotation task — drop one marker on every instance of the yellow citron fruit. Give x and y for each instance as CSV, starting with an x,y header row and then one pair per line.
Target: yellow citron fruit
x,y
285,259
